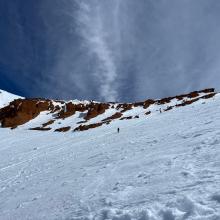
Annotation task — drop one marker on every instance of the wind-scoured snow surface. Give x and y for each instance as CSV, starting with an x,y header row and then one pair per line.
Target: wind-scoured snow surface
x,y
163,167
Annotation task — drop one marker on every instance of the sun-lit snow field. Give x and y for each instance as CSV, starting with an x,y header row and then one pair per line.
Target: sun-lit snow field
x,y
165,166
6,97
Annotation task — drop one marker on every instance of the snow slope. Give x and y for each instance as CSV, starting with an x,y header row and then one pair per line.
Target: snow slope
x,y
6,98
165,166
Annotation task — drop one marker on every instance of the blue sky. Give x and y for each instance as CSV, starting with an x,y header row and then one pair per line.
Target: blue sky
x,y
121,50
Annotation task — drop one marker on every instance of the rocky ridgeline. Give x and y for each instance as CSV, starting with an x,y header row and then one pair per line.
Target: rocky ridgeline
x,y
21,111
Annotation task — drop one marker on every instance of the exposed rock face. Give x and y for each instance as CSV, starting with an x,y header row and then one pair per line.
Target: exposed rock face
x,y
148,102
48,123
115,116
20,111
193,94
64,129
125,107
209,90
87,127
209,96
67,111
148,113
168,108
126,118
138,104
164,101
188,102
96,109
40,129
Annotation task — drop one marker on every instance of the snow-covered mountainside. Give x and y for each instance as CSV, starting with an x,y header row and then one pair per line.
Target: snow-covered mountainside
x,y
6,98
63,116
164,164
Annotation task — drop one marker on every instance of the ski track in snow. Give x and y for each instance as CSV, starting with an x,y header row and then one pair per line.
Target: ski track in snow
x,y
165,166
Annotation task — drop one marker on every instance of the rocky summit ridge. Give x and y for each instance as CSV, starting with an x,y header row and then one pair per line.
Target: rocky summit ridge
x,y
63,116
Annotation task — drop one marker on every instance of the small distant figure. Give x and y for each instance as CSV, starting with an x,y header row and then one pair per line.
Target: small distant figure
x,y
160,110
118,130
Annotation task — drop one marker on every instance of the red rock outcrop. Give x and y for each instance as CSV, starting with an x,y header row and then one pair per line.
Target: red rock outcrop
x,y
115,116
21,111
209,90
138,104
189,102
40,129
48,123
208,96
87,127
67,111
124,106
95,109
70,109
81,122
148,103
126,118
64,129
194,94
164,101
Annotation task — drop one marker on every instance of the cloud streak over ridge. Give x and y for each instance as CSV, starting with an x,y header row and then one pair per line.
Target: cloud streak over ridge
x,y
95,35
124,50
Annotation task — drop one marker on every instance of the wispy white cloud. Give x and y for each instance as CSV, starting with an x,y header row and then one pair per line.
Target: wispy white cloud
x,y
110,49
95,34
